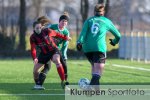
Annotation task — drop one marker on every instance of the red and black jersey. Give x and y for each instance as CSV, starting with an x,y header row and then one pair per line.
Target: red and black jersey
x,y
44,41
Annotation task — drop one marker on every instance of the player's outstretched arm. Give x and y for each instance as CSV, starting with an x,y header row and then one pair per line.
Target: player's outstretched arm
x,y
57,34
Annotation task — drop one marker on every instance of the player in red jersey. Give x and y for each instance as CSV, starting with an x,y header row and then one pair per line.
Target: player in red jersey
x,y
44,40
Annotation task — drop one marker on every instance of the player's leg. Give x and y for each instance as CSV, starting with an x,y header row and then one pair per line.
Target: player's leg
x,y
36,71
96,73
42,59
43,73
64,64
47,67
99,63
60,70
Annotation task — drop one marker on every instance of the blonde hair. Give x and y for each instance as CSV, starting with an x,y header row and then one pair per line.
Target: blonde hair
x,y
99,9
66,13
44,20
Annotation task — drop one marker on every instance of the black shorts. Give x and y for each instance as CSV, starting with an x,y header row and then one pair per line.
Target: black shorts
x,y
96,57
44,58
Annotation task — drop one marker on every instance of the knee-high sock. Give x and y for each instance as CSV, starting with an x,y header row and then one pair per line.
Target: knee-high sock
x,y
95,79
64,64
60,71
37,81
42,75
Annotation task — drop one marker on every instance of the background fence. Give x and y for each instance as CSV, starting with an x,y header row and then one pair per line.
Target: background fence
x,y
135,46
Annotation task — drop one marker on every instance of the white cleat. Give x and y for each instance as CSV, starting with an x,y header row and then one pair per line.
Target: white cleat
x,y
38,87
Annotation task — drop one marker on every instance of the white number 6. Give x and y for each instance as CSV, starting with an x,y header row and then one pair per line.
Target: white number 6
x,y
95,29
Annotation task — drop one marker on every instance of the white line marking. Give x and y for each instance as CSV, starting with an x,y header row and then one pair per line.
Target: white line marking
x,y
122,66
40,94
131,67
55,89
32,94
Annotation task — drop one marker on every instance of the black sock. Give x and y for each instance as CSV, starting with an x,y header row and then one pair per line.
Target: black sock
x,y
37,82
42,77
95,79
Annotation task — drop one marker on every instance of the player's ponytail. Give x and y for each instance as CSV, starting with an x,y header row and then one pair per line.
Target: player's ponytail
x,y
66,13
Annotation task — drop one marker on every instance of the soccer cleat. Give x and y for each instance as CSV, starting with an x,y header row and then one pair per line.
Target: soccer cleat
x,y
38,87
64,84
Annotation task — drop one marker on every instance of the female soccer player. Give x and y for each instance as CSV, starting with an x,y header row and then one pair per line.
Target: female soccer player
x,y
42,75
62,44
92,39
44,40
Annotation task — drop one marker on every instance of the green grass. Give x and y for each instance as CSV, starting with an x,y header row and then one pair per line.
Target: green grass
x,y
16,77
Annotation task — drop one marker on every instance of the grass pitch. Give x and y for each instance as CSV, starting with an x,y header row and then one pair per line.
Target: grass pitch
x,y
16,79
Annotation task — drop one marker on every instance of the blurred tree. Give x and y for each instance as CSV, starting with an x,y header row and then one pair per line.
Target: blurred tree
x,y
22,25
37,5
84,9
7,34
107,8
3,14
100,1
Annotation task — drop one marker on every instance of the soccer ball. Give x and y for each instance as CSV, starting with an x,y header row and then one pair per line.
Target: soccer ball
x,y
83,83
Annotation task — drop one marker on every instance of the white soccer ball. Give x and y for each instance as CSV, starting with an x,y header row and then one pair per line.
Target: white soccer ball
x,y
83,83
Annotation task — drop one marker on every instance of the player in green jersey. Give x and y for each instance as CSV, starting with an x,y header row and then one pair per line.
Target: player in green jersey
x,y
62,45
92,40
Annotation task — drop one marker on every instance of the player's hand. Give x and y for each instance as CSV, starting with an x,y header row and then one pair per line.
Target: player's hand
x,y
111,42
69,38
35,61
79,46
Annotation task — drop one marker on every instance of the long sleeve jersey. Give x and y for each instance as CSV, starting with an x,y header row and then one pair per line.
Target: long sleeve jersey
x,y
93,34
62,44
44,41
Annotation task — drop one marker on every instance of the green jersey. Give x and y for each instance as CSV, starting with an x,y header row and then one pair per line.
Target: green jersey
x,y
93,34
62,44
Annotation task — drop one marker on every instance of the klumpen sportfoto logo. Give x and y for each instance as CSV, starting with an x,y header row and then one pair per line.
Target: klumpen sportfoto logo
x,y
107,91
110,92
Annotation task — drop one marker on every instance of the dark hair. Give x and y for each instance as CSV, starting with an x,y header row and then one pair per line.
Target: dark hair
x,y
36,22
64,16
